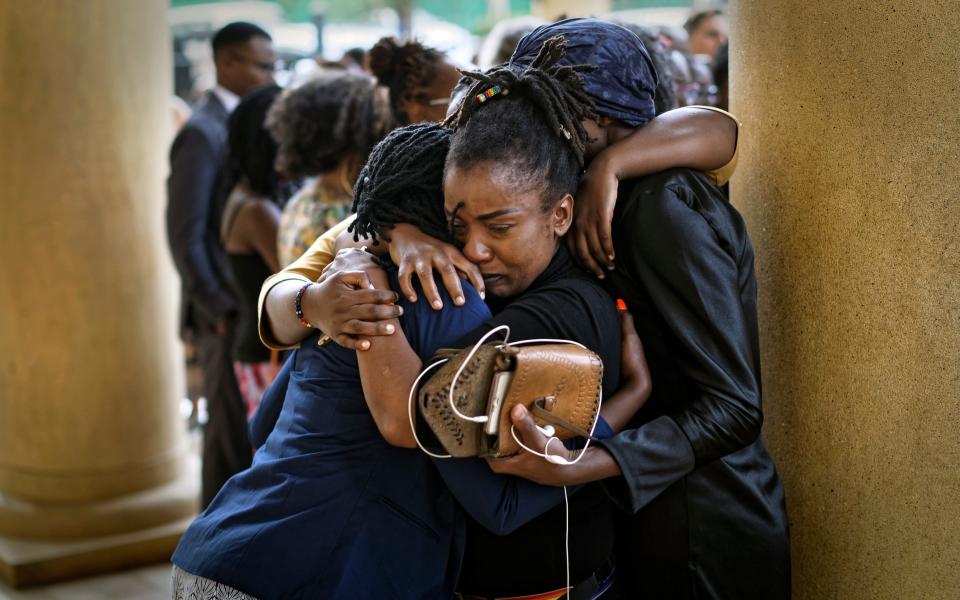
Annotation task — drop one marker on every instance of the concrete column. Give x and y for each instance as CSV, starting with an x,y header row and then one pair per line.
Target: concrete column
x,y
91,449
849,182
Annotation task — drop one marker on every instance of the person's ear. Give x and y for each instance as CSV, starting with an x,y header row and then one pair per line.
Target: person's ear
x,y
563,215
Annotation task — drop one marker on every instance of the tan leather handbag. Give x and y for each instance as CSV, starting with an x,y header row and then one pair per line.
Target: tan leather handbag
x,y
467,402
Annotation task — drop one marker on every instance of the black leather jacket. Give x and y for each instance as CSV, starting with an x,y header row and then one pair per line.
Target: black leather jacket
x,y
704,507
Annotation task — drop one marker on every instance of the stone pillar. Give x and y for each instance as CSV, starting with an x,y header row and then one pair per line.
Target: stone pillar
x,y
849,181
92,454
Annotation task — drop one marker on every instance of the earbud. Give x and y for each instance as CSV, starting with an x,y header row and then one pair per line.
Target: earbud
x,y
547,430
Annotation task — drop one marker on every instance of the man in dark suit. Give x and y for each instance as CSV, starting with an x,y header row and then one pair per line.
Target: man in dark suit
x,y
244,58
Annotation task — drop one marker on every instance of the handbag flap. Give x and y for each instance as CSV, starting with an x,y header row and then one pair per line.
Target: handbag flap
x,y
566,377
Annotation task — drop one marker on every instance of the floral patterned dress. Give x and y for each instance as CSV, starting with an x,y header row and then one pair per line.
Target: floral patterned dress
x,y
312,211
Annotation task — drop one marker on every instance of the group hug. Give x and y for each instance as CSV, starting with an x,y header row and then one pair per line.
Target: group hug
x,y
552,206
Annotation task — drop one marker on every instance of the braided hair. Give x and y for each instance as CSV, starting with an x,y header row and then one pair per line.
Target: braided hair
x,y
402,182
534,123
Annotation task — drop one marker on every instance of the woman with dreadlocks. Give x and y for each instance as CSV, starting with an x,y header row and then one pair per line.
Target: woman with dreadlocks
x,y
333,505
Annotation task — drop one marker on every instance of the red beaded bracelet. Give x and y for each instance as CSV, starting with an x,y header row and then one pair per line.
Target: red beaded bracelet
x,y
298,308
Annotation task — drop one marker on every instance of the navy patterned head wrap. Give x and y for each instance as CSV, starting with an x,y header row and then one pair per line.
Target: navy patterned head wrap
x,y
624,85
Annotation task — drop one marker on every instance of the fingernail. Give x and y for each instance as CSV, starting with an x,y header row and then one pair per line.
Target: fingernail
x,y
459,300
437,304
412,298
364,345
400,310
610,267
483,295
390,328
610,256
600,276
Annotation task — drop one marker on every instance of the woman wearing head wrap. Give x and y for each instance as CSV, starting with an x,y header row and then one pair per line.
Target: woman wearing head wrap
x,y
628,141
704,513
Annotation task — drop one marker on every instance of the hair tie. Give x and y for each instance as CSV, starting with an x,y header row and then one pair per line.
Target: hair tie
x,y
491,92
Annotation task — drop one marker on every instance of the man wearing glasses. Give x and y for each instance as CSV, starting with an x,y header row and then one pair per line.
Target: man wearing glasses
x,y
244,58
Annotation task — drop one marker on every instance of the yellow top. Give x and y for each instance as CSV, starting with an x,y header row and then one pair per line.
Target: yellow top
x,y
308,267
722,175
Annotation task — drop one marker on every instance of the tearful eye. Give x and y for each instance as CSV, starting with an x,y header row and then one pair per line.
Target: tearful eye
x,y
457,231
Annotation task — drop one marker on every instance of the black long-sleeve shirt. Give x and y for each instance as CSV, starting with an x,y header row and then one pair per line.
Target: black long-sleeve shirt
x,y
564,303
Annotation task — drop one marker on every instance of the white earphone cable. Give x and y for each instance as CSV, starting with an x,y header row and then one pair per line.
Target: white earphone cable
x,y
566,534
410,411
466,361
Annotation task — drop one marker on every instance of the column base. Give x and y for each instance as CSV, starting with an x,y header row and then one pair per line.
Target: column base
x,y
30,562
41,543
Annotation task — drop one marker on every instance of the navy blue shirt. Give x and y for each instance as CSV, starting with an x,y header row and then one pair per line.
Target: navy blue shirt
x,y
328,505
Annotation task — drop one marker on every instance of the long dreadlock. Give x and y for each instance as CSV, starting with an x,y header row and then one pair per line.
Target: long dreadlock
x,y
556,90
402,182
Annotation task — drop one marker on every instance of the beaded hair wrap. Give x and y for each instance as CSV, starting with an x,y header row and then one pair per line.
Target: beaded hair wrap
x,y
555,87
491,92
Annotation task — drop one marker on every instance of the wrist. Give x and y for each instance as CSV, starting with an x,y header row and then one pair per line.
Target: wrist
x,y
302,302
605,165
597,464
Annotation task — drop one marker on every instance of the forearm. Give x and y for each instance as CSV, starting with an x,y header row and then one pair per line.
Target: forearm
x,y
688,137
387,371
595,465
195,266
279,327
620,408
278,319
